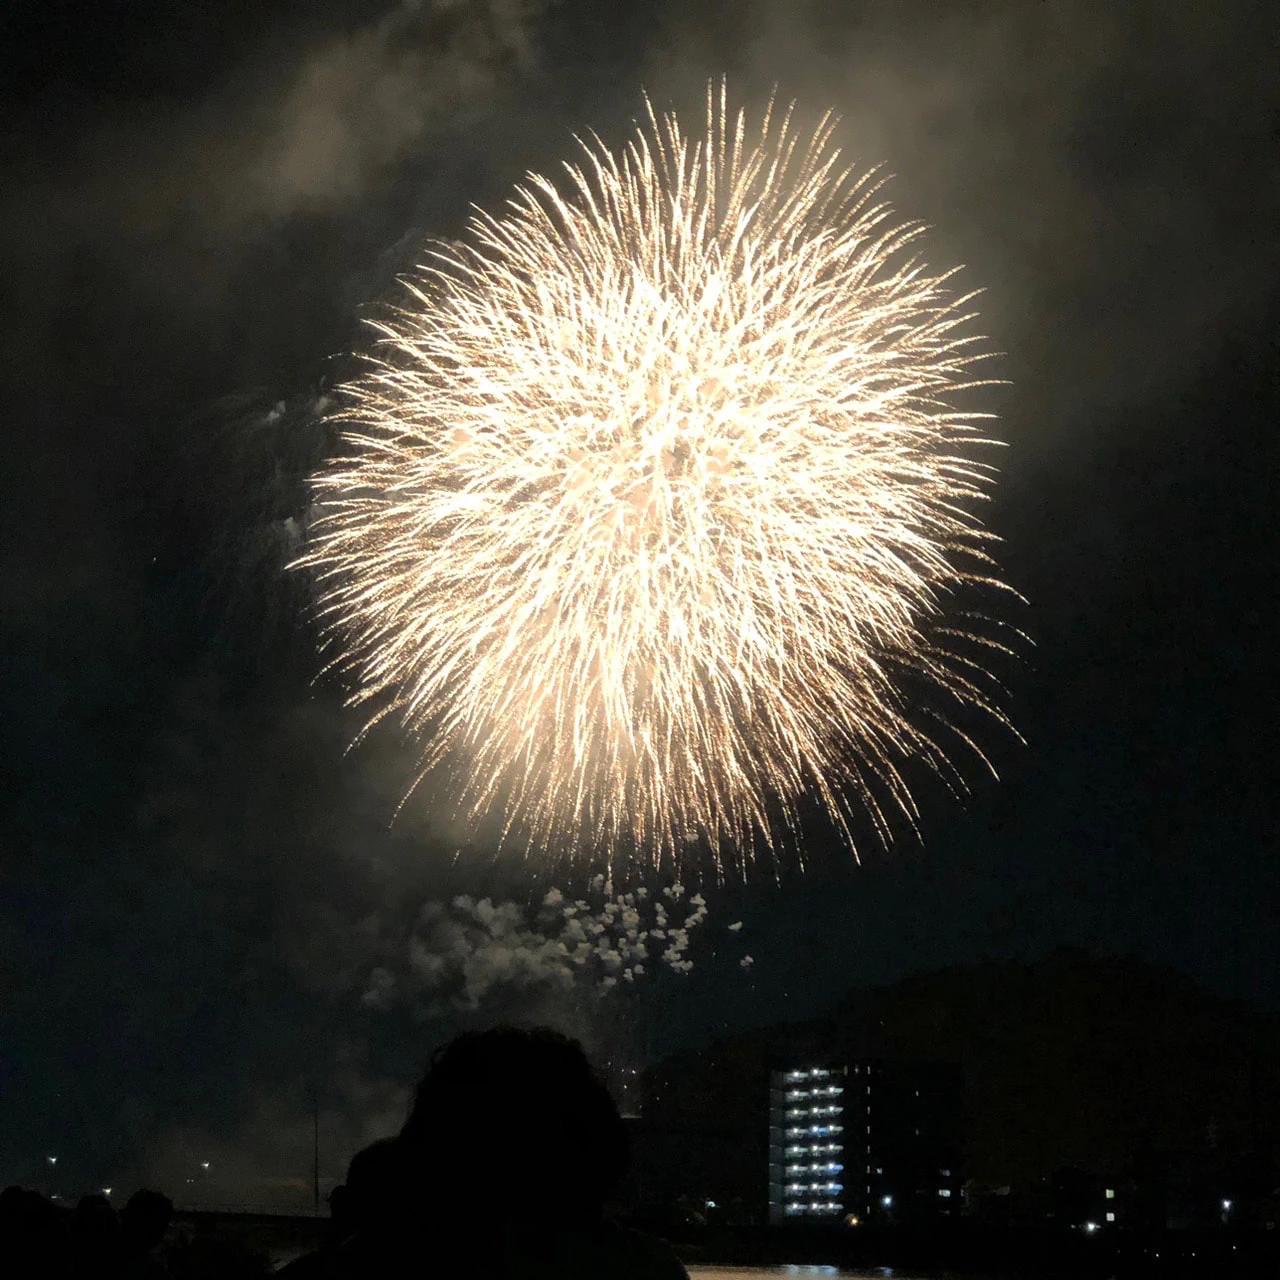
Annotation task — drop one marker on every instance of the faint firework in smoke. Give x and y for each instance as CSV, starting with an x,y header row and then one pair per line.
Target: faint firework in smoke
x,y
466,952
657,495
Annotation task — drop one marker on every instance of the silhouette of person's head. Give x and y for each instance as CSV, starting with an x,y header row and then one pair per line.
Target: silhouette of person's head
x,y
515,1124
145,1219
34,1235
375,1178
95,1234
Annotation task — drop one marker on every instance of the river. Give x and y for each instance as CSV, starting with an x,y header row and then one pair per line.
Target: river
x,y
802,1273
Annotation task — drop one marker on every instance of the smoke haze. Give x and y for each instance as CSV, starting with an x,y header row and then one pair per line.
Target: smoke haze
x,y
204,906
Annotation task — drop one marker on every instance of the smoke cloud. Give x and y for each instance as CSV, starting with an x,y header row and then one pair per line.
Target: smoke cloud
x,y
354,106
457,955
1104,169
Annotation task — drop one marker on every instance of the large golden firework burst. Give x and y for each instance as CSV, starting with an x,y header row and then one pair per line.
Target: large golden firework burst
x,y
656,495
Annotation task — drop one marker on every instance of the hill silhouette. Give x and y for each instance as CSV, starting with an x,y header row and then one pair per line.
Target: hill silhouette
x,y
1071,1060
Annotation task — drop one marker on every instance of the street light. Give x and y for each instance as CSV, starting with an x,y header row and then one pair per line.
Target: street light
x,y
52,1159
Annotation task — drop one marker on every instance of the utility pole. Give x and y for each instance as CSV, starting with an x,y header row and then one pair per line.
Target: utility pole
x,y
315,1147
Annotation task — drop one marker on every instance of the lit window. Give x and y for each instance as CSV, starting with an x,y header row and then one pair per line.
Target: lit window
x,y
1110,1193
1111,1217
945,1192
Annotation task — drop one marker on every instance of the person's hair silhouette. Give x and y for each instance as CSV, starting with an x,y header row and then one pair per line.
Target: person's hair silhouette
x,y
143,1223
502,1172
374,1177
95,1237
515,1123
35,1236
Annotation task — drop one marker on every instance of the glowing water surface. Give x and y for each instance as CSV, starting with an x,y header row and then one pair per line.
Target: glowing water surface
x,y
799,1272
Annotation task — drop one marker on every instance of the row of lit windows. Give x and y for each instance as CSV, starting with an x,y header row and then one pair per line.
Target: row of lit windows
x,y
798,1188
816,1206
812,1073
799,1113
817,1130
815,1168
831,1091
816,1149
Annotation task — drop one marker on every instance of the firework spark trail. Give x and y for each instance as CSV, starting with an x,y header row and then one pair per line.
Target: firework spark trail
x,y
656,491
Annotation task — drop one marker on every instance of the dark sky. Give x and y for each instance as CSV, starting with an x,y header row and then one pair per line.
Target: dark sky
x,y
196,884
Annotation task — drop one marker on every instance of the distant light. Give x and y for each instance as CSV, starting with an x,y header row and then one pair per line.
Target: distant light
x,y
711,1204
1226,1206
52,1159
106,1191
1090,1227
886,1201
204,1164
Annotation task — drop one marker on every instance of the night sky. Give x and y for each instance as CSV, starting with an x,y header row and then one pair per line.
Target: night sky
x,y
197,883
